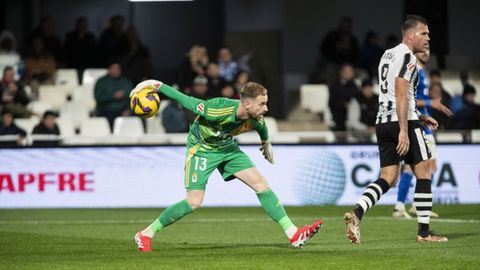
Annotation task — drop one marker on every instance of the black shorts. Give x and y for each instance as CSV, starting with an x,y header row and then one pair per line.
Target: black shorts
x,y
387,137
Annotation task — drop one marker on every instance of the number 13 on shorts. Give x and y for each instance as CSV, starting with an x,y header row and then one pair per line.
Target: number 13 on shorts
x,y
197,172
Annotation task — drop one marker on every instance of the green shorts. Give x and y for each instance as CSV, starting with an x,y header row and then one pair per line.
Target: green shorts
x,y
199,166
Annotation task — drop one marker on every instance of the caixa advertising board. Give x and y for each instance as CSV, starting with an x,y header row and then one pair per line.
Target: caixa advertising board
x,y
154,176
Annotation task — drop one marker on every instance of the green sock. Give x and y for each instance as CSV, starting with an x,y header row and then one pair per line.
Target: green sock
x,y
173,214
274,208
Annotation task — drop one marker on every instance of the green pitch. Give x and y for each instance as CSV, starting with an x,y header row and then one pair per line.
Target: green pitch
x,y
232,238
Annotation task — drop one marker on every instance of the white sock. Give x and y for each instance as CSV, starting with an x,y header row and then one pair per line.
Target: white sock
x,y
400,206
290,231
148,232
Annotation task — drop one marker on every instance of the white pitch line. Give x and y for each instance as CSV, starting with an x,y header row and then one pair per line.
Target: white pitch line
x,y
206,220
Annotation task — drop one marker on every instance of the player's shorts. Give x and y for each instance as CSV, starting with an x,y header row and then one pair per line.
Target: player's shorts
x,y
387,136
199,166
432,145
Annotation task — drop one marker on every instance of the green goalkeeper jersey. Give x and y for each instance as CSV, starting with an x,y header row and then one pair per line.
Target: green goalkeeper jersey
x,y
216,123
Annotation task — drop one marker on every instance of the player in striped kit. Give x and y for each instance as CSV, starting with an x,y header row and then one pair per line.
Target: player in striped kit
x,y
424,103
399,131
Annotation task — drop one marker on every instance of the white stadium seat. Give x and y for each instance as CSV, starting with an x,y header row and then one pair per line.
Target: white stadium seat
x,y
314,98
128,126
55,95
449,137
39,107
476,136
67,77
85,94
76,111
66,127
95,127
271,125
27,124
91,75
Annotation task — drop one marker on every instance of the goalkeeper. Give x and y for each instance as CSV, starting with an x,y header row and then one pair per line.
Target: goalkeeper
x,y
210,146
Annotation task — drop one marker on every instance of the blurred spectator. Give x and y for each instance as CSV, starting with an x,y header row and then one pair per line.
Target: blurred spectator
x,y
174,118
215,83
435,78
362,110
239,81
199,90
80,47
341,91
111,94
136,64
113,41
13,95
444,121
465,110
40,66
391,41
370,54
340,45
47,124
194,64
46,31
228,67
8,127
8,52
227,91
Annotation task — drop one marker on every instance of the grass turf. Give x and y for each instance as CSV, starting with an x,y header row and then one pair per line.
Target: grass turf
x,y
232,238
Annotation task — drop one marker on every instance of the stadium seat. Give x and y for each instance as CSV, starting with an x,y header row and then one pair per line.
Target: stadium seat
x,y
67,76
251,137
85,94
314,98
55,95
178,138
154,139
27,123
39,107
154,125
449,137
452,85
66,127
280,138
128,126
91,75
475,136
271,124
95,127
76,111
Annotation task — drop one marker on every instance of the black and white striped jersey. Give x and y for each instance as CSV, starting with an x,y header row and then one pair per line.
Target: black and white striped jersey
x,y
396,62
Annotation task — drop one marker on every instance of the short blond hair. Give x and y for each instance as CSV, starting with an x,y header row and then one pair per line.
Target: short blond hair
x,y
252,90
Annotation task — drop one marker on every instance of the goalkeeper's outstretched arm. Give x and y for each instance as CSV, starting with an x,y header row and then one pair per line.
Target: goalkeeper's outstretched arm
x,y
193,104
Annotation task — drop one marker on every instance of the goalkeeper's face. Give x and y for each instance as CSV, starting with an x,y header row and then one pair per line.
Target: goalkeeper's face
x,y
257,107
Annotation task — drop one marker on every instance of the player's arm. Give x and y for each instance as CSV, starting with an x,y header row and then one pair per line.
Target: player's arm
x,y
266,147
401,99
434,103
193,104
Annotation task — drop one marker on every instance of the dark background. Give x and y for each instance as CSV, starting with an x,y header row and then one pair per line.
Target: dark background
x,y
282,35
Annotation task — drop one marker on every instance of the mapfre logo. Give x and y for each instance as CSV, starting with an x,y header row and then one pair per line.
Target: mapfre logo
x,y
200,107
47,181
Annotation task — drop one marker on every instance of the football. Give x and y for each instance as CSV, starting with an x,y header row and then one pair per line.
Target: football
x,y
145,103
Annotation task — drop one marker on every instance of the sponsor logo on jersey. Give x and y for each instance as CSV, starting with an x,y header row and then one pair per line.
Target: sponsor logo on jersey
x,y
410,66
200,107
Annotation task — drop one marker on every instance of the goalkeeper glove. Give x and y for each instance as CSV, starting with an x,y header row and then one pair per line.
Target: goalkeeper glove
x,y
148,83
267,152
